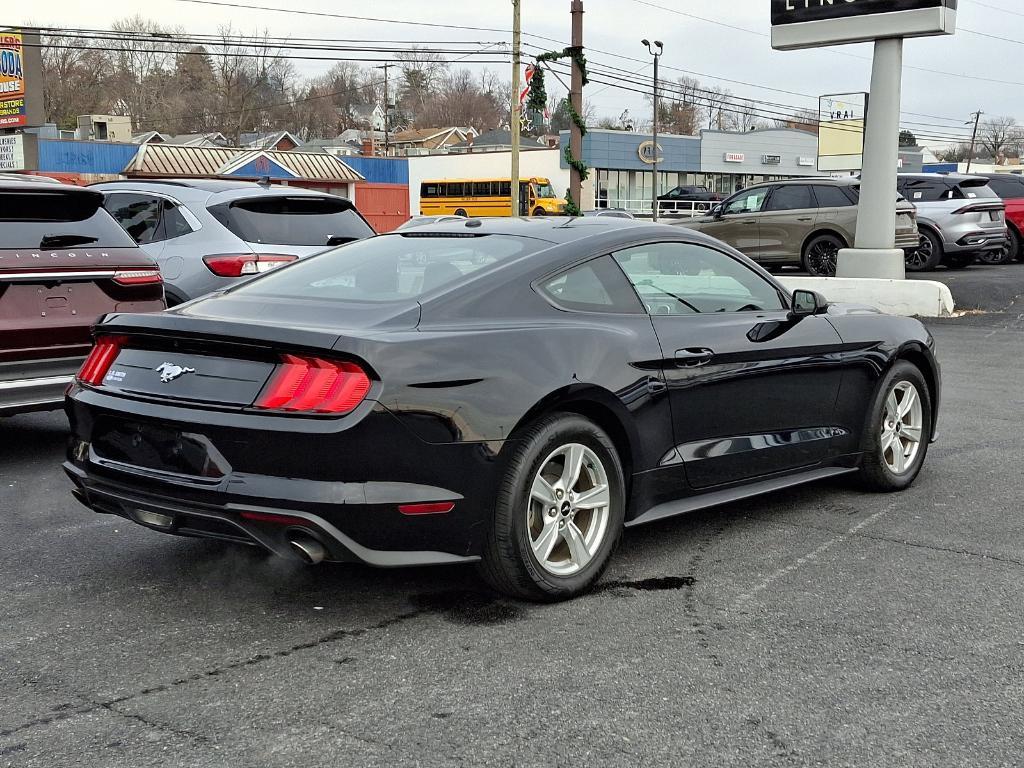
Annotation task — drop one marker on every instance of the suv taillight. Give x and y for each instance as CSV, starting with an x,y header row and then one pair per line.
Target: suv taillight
x,y
242,264
138,277
314,385
100,359
980,208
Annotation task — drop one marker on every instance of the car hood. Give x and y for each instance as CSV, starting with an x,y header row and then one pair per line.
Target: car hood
x,y
852,309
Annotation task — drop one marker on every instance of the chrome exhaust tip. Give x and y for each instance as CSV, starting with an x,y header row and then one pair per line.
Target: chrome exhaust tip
x,y
310,550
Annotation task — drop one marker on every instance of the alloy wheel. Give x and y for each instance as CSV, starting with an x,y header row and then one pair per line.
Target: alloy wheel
x,y
902,428
823,257
921,258
569,509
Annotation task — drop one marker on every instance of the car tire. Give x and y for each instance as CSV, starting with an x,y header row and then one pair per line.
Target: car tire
x,y
541,546
892,458
821,254
928,254
462,212
539,212
959,260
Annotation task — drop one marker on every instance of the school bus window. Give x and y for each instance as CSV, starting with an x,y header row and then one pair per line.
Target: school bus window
x,y
506,189
481,189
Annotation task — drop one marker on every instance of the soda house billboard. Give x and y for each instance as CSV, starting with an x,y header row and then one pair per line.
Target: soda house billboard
x,y
814,23
20,81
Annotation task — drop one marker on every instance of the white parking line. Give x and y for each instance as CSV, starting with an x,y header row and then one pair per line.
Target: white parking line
x,y
811,556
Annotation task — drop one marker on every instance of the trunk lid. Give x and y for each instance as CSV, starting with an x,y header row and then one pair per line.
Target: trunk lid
x,y
64,262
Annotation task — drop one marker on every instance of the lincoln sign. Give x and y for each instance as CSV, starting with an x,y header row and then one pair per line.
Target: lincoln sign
x,y
815,23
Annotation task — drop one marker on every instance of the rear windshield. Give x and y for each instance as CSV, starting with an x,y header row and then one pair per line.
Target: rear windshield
x,y
293,220
392,267
58,220
969,190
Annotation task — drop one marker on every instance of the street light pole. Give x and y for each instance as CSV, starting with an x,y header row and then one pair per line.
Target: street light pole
x,y
974,138
654,163
515,111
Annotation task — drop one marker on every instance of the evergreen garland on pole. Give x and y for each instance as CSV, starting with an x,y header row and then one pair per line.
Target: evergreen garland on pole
x,y
538,102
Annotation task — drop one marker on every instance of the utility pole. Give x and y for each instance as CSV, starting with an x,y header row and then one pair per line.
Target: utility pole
x,y
974,138
576,100
654,161
387,112
516,107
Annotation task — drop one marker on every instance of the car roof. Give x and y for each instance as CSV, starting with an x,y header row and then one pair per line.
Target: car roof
x,y
554,229
207,189
846,181
1013,176
34,186
951,177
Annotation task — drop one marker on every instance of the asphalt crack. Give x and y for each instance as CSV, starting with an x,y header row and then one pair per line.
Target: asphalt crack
x,y
458,606
909,543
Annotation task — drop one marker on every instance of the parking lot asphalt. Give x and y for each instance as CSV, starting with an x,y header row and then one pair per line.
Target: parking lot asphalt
x,y
821,626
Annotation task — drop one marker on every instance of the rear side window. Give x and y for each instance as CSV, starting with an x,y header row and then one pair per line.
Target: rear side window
x,y
138,214
794,197
924,190
306,221
831,197
58,220
596,286
392,267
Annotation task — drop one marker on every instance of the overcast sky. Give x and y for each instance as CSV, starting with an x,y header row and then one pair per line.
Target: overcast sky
x,y
616,26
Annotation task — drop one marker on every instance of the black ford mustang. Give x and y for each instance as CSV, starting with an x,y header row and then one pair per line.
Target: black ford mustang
x,y
512,393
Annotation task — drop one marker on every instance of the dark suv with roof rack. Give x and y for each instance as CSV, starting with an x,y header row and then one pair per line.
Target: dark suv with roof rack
x,y
64,263
207,234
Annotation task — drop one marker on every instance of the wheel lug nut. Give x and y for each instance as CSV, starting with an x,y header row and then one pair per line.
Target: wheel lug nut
x,y
559,494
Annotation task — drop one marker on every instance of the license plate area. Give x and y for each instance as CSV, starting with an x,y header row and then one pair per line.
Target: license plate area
x,y
133,446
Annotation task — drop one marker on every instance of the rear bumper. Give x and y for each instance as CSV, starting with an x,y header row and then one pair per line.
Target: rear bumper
x,y
980,241
242,523
37,385
229,476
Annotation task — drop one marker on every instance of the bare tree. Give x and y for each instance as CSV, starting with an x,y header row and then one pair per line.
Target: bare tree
x,y
73,79
997,134
248,81
139,60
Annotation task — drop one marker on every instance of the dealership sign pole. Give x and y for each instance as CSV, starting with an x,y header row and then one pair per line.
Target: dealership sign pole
x,y
800,24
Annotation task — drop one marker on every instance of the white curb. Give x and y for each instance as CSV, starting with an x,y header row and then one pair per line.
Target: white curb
x,y
919,298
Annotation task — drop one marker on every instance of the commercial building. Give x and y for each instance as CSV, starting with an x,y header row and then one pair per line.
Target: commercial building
x,y
723,161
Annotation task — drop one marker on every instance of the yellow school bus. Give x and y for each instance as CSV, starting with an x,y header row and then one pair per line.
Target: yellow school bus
x,y
488,197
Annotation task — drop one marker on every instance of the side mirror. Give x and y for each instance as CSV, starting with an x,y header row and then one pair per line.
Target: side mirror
x,y
718,211
806,303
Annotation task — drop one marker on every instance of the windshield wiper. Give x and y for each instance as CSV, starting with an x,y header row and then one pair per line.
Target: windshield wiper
x,y
65,241
680,299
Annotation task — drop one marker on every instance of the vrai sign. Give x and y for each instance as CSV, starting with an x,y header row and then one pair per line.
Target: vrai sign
x,y
814,23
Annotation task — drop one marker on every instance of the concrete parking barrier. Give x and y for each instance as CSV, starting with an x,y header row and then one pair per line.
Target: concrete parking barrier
x,y
919,298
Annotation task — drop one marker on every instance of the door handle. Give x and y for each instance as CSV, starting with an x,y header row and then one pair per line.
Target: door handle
x,y
694,357
805,218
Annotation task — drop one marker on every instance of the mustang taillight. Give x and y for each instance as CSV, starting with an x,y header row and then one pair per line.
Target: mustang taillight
x,y
138,277
100,359
314,385
242,264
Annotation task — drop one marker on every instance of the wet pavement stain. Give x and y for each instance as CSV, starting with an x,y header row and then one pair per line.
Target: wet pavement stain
x,y
471,608
657,584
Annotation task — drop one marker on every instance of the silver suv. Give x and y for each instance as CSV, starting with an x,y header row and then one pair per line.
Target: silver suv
x,y
959,218
207,234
